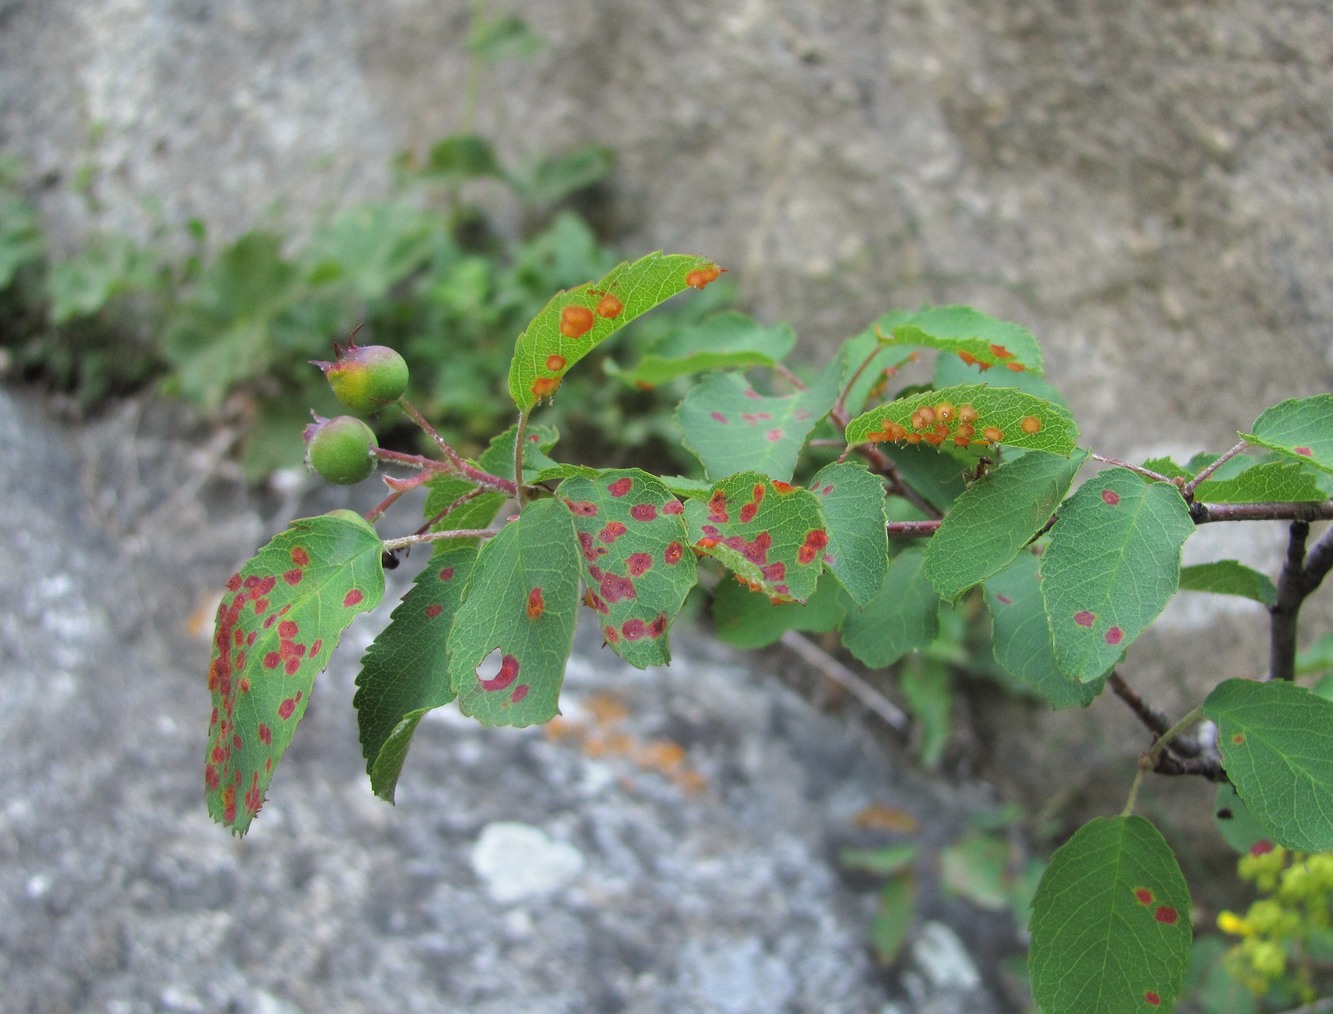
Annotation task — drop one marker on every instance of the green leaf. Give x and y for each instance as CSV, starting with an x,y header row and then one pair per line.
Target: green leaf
x,y
977,868
1234,820
995,518
462,157
548,179
951,371
506,37
1110,922
373,247
1276,741
973,336
902,617
1228,577
1002,416
862,382
1112,565
1264,482
575,322
732,428
518,620
852,499
771,534
404,673
1301,428
747,619
1317,657
937,477
1021,638
84,284
723,340
927,686
884,861
894,917
278,623
637,565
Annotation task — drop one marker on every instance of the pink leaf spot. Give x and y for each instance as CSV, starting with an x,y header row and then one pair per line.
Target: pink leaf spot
x,y
1305,451
673,552
293,576
1261,848
314,648
1166,914
299,556
1238,739
502,679
583,508
773,436
718,417
610,634
673,507
621,486
433,610
638,563
1144,896
612,531
272,660
293,664
1084,618
1152,999
1114,636
286,708
717,507
1110,497
634,630
643,512
288,629
658,627
536,604
748,512
265,734
1004,600
353,597
520,692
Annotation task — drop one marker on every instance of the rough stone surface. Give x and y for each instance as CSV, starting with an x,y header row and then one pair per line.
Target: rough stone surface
x,y
670,845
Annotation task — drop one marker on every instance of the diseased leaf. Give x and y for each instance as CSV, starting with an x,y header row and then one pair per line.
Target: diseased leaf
x,y
1300,428
995,518
853,502
1112,565
972,415
902,617
278,623
1276,741
973,336
748,619
636,562
771,534
513,634
1228,577
732,428
1021,638
405,672
1110,922
726,340
576,321
951,371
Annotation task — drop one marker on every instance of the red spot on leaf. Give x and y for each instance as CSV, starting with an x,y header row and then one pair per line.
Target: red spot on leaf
x,y
447,574
1144,896
609,307
718,417
611,531
265,734
536,604
815,540
1000,352
634,630
673,507
717,507
621,486
773,436
544,387
673,553
1261,847
288,628
1238,738
433,610
615,587
234,582
749,511
314,648
658,627
555,363
293,576
610,635
755,417
293,664
1166,914
286,708
638,563
783,487
261,605
1114,636
1084,618
1110,497
272,660
643,512
1004,600
583,508
507,674
700,277
520,692
299,556
1304,451
353,597
1151,998
576,321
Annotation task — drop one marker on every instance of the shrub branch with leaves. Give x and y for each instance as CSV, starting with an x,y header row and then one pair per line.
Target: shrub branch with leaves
x,y
823,496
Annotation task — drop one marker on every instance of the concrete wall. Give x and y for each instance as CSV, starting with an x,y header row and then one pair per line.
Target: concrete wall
x,y
1148,186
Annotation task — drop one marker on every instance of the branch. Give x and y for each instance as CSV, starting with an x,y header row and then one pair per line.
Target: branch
x,y
1291,592
1189,487
912,529
1203,513
840,674
393,545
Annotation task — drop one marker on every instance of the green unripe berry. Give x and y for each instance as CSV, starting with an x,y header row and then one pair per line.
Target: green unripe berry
x,y
339,449
365,378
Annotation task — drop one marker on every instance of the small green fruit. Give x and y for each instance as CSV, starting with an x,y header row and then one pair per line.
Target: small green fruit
x,y
339,449
365,378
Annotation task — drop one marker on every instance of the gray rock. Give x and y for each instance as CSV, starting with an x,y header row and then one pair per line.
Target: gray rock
x,y
668,846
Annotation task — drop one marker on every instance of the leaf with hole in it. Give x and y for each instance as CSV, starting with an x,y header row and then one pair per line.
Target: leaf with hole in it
x,y
771,534
975,337
1276,741
1112,565
969,416
1021,638
1110,922
726,340
853,502
995,518
1228,577
902,617
277,625
513,633
747,619
1300,428
637,564
404,673
576,321
730,427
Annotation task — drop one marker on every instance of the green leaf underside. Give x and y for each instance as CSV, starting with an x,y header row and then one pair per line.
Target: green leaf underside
x,y
726,340
636,562
1228,577
544,353
771,535
951,371
1276,741
1112,565
746,619
995,518
961,329
279,621
853,501
1021,638
1110,922
518,620
1266,482
731,428
1301,428
1001,415
902,617
404,673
